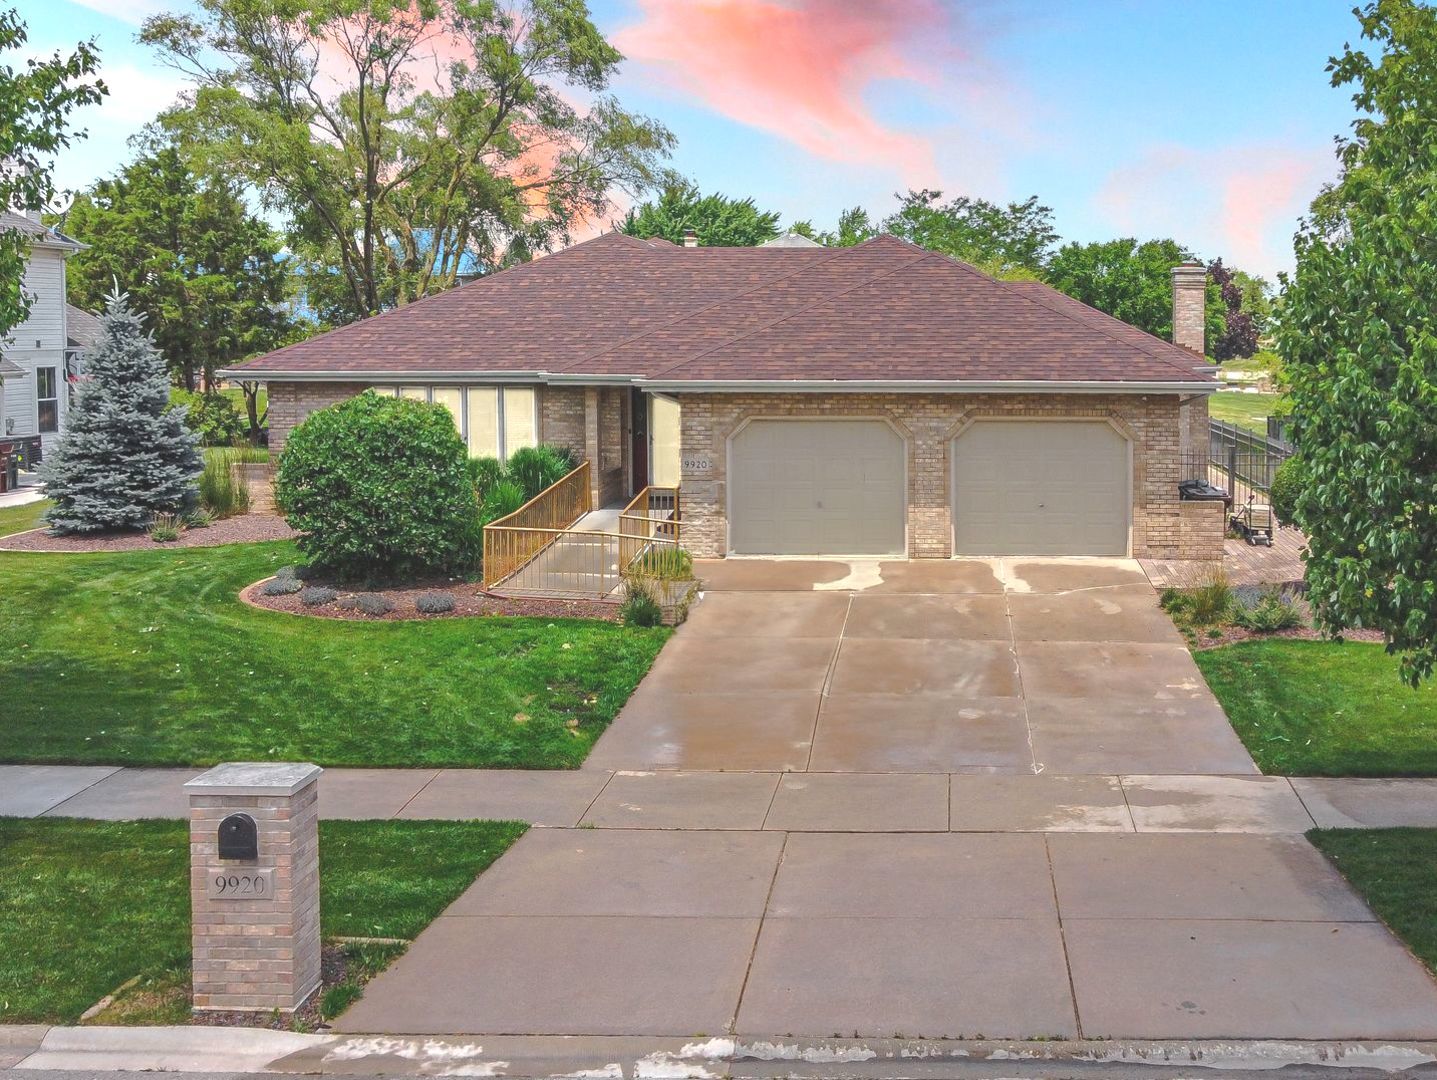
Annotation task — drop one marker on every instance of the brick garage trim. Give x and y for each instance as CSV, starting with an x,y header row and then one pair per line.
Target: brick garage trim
x,y
1151,422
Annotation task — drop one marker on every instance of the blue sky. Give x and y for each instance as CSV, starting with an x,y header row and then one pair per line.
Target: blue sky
x,y
1210,122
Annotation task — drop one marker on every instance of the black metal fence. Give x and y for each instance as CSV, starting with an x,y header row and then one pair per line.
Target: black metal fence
x,y
1240,462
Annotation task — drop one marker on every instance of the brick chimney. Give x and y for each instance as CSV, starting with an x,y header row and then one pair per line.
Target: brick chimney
x,y
1189,306
691,238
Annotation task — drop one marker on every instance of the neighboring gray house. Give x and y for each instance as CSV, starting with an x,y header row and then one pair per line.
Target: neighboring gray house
x,y
43,348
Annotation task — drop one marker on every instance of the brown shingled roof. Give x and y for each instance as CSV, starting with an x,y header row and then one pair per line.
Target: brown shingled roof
x,y
621,306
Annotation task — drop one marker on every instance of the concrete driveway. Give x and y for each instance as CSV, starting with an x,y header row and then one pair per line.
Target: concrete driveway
x,y
968,799
1059,667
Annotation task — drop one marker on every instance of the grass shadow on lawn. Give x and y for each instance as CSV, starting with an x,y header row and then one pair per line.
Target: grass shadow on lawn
x,y
149,658
90,905
1395,871
1320,708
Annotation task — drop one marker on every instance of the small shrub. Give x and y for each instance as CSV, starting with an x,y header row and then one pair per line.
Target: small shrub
x,y
434,603
1287,484
199,518
379,488
165,529
315,595
503,499
346,603
212,417
484,473
280,585
1274,610
1170,599
534,468
373,604
641,606
1210,602
224,490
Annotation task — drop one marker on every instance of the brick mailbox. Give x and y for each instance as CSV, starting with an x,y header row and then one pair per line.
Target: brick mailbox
x,y
254,886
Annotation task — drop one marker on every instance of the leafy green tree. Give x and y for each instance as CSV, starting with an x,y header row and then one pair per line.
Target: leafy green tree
x,y
408,143
1131,281
1006,241
1238,337
205,272
35,103
854,227
125,456
717,220
1359,336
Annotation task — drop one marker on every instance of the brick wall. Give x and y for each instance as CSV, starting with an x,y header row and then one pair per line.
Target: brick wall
x,y
1203,526
561,417
928,423
290,403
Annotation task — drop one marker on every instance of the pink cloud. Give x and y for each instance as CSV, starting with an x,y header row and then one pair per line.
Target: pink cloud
x,y
1241,202
800,69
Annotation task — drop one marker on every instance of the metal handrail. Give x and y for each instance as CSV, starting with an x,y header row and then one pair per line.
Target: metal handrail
x,y
554,509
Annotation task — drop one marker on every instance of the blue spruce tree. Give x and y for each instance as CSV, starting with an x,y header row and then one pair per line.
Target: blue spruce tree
x,y
123,458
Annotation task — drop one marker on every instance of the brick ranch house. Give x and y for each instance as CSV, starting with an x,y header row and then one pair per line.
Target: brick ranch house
x,y
865,401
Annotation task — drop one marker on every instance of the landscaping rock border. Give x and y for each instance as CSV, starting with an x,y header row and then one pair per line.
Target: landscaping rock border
x,y
469,601
241,529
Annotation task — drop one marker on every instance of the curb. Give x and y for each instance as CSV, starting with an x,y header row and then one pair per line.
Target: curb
x,y
201,1049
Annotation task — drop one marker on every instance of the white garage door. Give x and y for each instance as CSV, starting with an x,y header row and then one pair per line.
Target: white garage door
x,y
1040,488
816,487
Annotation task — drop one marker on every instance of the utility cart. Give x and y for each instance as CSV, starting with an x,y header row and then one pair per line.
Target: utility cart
x,y
1253,522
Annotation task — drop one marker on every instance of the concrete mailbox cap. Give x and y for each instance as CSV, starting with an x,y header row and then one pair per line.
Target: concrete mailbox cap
x,y
254,778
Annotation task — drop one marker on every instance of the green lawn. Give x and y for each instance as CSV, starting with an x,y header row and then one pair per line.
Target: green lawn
x,y
89,905
1395,870
1317,708
150,658
1245,410
14,519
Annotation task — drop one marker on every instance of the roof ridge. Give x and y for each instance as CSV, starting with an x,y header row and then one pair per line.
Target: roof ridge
x,y
1156,353
798,311
711,304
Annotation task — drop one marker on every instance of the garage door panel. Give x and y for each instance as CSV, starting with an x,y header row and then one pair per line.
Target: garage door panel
x,y
1040,488
831,487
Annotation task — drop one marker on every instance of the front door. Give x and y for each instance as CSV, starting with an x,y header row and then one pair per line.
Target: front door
x,y
639,438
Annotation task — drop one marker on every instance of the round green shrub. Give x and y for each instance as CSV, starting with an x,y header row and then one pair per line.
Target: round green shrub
x,y
1287,484
213,417
379,488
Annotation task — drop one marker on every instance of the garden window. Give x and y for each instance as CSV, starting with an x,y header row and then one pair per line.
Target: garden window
x,y
494,420
47,400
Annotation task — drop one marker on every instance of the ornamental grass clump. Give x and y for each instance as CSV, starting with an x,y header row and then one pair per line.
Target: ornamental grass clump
x,y
165,529
224,489
379,489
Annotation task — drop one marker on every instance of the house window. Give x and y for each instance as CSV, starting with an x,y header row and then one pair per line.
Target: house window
x,y
47,400
494,421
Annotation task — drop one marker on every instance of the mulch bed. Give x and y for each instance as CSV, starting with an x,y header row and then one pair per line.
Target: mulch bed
x,y
1227,635
469,600
242,529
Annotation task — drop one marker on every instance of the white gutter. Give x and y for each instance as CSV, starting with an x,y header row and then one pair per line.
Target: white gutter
x,y
756,386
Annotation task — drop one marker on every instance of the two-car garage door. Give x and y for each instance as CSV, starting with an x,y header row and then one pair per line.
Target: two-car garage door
x,y
1018,487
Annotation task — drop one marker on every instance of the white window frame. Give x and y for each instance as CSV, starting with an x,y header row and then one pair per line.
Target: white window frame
x,y
54,398
502,433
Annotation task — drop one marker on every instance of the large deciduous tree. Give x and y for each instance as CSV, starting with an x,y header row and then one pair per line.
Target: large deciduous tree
x,y
717,220
1358,333
1006,241
1131,281
35,104
409,142
204,272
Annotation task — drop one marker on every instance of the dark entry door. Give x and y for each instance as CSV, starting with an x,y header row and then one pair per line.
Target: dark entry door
x,y
639,426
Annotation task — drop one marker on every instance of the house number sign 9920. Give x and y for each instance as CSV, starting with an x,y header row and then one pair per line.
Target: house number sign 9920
x,y
250,884
696,464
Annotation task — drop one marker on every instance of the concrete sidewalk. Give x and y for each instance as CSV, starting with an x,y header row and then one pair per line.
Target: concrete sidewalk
x,y
797,802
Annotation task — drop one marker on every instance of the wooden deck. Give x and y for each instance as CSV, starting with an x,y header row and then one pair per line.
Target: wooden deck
x,y
1242,563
